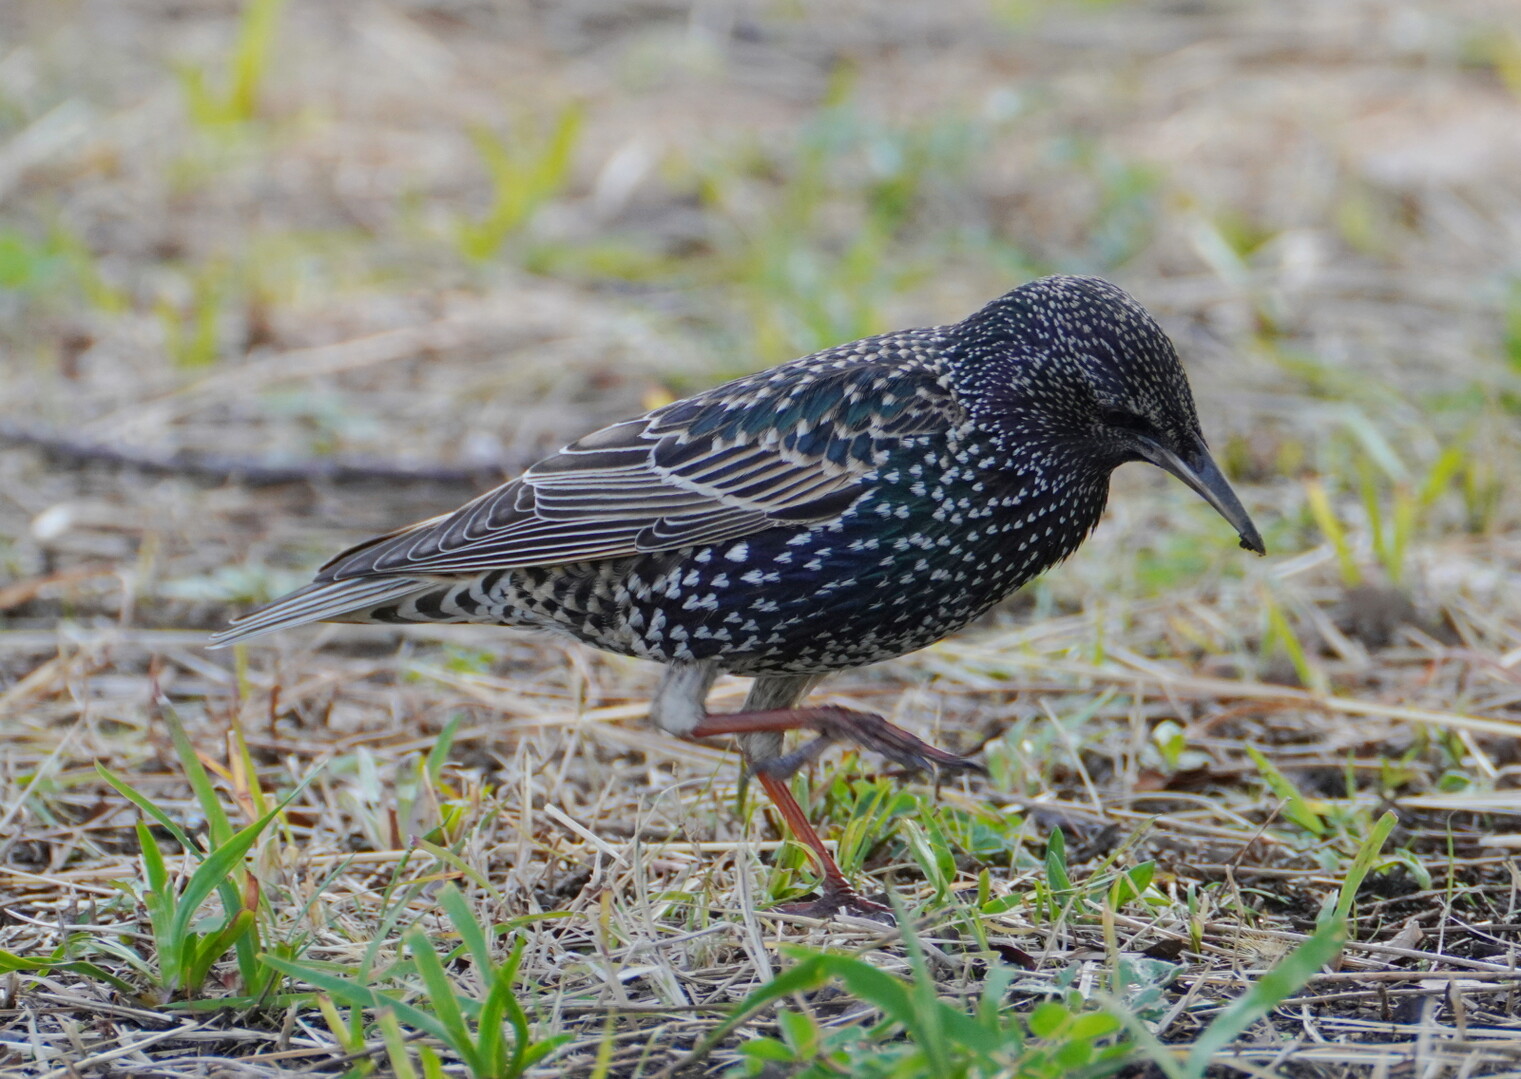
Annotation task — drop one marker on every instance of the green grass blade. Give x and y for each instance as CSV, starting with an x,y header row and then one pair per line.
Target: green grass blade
x,y
489,1039
1274,987
553,165
241,761
1163,1056
433,1067
933,857
396,1045
433,765
219,864
203,953
515,1014
537,1051
875,987
1295,808
11,963
149,809
153,866
927,1016
1439,477
351,993
1330,525
250,58
1281,632
217,824
808,974
445,1002
1362,864
470,933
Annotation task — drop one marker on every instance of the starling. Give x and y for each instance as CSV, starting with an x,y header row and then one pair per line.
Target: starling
x,y
844,508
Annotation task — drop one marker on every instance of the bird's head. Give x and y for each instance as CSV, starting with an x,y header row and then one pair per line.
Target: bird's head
x,y
1076,367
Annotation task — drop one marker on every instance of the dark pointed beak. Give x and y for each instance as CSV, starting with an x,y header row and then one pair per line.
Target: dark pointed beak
x,y
1201,473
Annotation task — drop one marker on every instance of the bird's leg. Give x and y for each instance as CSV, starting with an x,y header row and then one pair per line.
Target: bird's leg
x,y
773,770
838,894
868,730
769,710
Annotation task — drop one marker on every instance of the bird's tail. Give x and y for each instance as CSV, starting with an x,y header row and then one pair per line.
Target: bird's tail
x,y
321,601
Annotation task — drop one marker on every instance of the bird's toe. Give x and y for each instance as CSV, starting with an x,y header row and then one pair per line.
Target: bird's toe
x,y
829,904
893,742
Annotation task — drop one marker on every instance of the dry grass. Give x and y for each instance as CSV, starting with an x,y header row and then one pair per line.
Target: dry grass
x,y
1319,200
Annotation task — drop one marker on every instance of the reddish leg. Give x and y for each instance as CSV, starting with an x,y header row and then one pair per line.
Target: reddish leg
x,y
838,894
832,723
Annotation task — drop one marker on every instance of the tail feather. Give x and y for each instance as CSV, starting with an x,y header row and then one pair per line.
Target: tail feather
x,y
317,602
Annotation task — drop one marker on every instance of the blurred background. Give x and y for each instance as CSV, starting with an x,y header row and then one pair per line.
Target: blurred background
x,y
450,236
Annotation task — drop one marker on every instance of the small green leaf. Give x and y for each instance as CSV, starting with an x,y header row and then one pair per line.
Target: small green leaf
x,y
1046,1018
1131,884
1073,1054
1056,862
1093,1025
768,1049
799,1031
355,995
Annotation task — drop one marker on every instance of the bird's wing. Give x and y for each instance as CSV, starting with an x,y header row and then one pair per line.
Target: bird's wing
x,y
786,446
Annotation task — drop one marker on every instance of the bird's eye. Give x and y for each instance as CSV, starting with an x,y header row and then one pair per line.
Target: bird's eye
x,y
1119,417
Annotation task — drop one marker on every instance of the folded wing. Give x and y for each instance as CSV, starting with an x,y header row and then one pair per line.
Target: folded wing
x,y
787,446
790,446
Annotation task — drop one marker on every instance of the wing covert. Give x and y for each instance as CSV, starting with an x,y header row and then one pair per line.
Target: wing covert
x,y
787,446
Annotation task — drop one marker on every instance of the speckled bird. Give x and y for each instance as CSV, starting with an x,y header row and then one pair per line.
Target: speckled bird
x,y
844,508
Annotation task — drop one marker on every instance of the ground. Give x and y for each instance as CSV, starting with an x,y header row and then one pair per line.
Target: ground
x,y
276,277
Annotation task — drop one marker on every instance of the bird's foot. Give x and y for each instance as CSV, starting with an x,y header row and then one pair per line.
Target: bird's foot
x,y
866,729
837,900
